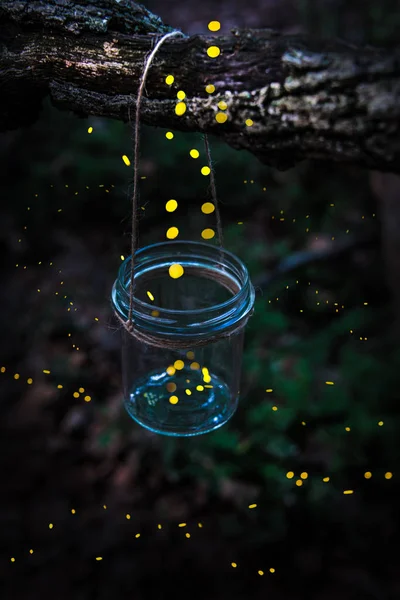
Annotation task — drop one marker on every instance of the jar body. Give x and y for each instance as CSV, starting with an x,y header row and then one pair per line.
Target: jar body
x,y
181,372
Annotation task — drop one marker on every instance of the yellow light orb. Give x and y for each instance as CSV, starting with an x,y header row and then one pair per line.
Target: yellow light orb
x,y
222,105
249,122
169,80
213,51
174,400
171,370
205,170
126,160
180,109
194,153
210,88
214,26
207,208
172,233
221,117
179,364
207,234
169,135
175,271
290,474
181,95
171,205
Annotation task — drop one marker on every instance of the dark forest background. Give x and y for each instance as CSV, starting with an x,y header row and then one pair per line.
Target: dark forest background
x,y
80,480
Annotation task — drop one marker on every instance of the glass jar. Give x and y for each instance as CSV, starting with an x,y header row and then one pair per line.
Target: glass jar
x,y
181,364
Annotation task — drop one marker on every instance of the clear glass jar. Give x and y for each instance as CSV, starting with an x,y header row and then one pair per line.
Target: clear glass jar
x,y
181,365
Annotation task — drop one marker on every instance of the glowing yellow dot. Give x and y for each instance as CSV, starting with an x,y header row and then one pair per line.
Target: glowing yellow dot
x,y
169,80
171,205
31,551
159,526
3,369
199,388
73,511
234,565
172,233
326,479
205,170
329,383
81,390
150,295
213,51
181,524
171,370
87,398
214,25
194,153
29,381
155,313
51,525
304,475
76,394
388,475
128,516
272,570
252,505
221,117
190,355
303,423
249,122
207,208
347,492
299,482
260,572
368,475
194,366
169,135
12,559
269,390
180,109
90,129
274,408
126,160
290,474
171,387
174,400
16,376
99,558
179,364
188,392
222,105
181,95
59,387
176,271
187,535
210,88
380,423
207,234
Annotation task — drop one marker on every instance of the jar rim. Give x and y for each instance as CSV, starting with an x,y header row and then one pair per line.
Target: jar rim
x,y
175,312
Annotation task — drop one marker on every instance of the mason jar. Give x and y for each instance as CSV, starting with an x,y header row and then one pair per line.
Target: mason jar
x,y
181,362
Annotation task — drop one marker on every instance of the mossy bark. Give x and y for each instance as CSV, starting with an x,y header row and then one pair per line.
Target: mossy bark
x,y
306,98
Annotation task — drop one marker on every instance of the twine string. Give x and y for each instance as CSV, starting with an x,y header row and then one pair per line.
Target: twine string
x,y
134,236
129,326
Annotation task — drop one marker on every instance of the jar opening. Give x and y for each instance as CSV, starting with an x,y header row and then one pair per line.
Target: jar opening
x,y
214,287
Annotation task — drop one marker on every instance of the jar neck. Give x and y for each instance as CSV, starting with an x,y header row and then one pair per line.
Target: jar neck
x,y
198,260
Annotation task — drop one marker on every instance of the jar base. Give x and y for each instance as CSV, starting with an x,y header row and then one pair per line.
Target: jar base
x,y
156,404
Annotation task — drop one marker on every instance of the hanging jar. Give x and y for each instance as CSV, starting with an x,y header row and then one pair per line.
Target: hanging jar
x,y
181,358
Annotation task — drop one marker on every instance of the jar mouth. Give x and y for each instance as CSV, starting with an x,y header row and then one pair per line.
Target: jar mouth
x,y
207,262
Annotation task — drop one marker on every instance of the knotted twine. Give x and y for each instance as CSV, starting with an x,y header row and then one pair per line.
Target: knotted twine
x,y
220,277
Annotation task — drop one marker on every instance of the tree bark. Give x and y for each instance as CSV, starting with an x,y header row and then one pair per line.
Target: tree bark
x,y
306,98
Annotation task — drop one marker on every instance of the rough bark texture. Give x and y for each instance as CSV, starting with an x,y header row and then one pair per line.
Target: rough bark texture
x,y
306,98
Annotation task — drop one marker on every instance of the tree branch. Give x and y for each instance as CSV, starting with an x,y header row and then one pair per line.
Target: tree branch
x,y
306,98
